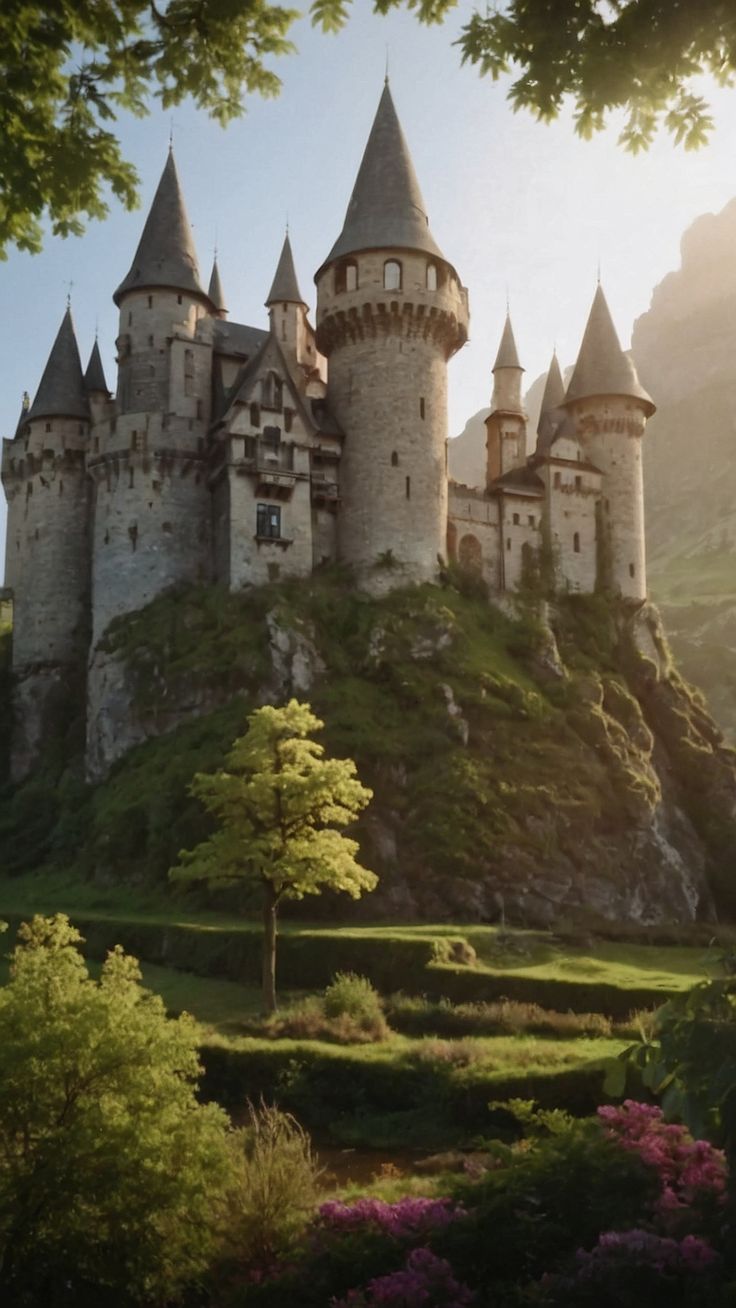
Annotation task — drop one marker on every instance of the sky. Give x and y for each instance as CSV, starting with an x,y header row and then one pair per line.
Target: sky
x,y
519,208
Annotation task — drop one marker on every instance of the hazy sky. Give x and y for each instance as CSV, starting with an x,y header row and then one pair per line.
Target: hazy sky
x,y
513,204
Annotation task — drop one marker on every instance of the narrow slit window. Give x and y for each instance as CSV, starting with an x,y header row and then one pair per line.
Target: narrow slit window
x,y
576,542
392,275
408,488
421,407
394,460
431,276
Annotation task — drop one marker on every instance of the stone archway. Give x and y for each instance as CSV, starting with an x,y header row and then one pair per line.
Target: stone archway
x,y
469,554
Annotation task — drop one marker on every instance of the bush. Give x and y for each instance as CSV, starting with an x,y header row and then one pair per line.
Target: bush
x,y
276,1187
352,996
414,1015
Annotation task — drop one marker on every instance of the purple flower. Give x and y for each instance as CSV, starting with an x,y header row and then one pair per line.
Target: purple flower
x,y
425,1281
408,1218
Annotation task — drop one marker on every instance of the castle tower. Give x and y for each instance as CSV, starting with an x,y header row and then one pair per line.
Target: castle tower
x,y
506,423
390,313
47,558
152,511
287,313
610,407
96,387
552,401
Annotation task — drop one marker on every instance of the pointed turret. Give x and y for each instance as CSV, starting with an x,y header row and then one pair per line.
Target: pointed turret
x,y
386,208
94,377
61,393
215,291
554,389
602,367
285,288
508,356
554,420
165,254
23,415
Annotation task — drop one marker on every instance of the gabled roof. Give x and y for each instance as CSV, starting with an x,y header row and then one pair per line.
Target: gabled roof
x,y
523,481
61,392
165,254
285,288
94,377
602,367
215,292
386,209
236,338
507,356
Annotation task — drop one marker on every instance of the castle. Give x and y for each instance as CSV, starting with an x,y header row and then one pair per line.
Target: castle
x,y
238,455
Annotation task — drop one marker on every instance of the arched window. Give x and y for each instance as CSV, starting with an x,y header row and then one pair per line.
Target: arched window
x,y
346,276
394,460
576,542
431,276
392,275
271,391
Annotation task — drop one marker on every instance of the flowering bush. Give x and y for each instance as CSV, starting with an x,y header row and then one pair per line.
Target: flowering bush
x,y
409,1218
689,1170
425,1281
635,1267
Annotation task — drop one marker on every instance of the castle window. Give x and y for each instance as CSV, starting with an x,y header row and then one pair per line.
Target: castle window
x,y
268,521
508,542
346,277
408,488
199,408
557,481
178,299
394,460
150,340
134,440
431,276
288,419
150,301
392,275
421,406
272,437
531,520
632,570
48,426
272,391
188,371
255,415
578,483
516,519
576,542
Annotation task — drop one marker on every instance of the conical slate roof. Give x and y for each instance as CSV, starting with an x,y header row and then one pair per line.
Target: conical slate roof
x,y
215,291
61,393
165,254
602,367
94,378
285,289
554,391
386,209
507,356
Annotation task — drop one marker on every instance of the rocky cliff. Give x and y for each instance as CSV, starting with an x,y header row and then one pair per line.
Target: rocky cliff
x,y
546,762
685,346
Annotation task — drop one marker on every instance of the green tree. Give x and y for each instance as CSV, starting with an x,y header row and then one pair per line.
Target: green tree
x,y
110,1170
279,803
67,67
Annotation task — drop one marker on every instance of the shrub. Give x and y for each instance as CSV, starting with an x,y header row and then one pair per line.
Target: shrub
x,y
629,1268
276,1186
419,1016
353,996
425,1281
689,1171
413,1217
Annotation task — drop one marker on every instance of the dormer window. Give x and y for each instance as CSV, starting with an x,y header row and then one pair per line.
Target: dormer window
x,y
431,276
346,276
392,275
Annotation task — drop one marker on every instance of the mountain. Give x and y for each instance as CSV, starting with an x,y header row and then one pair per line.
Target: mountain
x,y
542,762
685,352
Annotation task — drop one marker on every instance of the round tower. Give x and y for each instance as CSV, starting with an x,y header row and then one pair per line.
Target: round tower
x,y
506,423
152,509
610,408
391,311
47,560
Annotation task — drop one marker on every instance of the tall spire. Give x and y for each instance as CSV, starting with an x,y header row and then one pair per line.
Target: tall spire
x,y
285,288
602,367
386,209
554,391
61,391
165,254
215,291
94,377
507,356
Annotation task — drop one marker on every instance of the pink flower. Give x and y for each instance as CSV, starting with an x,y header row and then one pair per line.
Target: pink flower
x,y
409,1217
688,1170
425,1281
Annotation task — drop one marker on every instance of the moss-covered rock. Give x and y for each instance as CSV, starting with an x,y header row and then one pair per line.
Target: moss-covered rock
x,y
502,786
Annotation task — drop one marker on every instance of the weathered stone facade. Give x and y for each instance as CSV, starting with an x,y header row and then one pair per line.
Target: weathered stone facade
x,y
231,454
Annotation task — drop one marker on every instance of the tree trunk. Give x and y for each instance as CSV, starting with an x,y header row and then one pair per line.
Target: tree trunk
x,y
269,949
